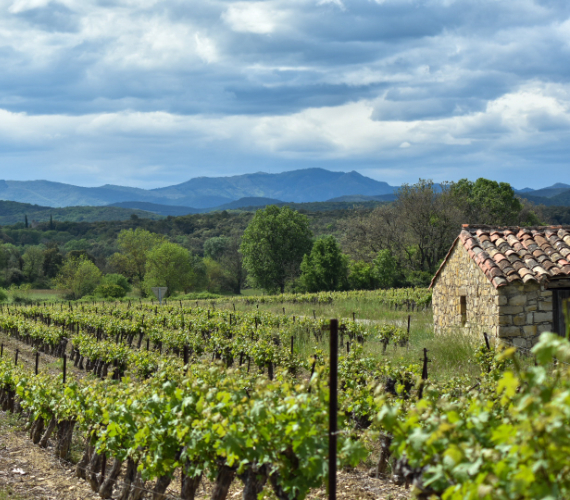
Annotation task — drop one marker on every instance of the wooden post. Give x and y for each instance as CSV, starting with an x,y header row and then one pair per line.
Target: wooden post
x,y
16,357
333,407
64,368
37,361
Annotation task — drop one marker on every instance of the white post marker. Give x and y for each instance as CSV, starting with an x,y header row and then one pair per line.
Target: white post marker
x,y
159,292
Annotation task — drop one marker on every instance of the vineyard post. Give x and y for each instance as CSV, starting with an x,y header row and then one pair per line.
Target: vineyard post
x,y
487,341
37,361
353,316
64,367
1,350
333,403
292,343
424,374
408,336
16,357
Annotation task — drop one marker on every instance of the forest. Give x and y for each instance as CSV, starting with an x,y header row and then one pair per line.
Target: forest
x,y
398,244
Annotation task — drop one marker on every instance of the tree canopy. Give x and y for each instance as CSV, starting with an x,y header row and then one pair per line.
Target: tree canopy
x,y
325,268
273,246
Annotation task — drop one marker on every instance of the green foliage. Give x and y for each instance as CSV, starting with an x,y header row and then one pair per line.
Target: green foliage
x,y
491,202
386,269
3,295
508,439
134,245
52,262
325,268
361,275
79,277
273,246
170,265
33,259
214,248
119,280
110,291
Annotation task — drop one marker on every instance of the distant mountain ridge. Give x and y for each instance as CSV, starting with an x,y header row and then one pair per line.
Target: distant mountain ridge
x,y
298,186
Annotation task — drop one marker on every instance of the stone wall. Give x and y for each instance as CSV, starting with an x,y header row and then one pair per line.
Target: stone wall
x,y
518,313
525,312
461,276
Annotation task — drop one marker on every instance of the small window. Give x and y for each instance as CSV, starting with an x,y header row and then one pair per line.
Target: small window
x,y
463,309
561,311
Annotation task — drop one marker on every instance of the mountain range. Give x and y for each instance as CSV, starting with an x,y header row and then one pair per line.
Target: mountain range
x,y
299,186
203,194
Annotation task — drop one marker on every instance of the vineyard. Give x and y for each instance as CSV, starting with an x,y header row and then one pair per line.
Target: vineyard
x,y
159,398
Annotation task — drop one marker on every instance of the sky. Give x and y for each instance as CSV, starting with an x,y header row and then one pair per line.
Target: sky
x,y
152,93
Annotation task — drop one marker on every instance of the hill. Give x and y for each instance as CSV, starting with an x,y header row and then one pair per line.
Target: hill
x,y
561,199
299,186
12,212
157,208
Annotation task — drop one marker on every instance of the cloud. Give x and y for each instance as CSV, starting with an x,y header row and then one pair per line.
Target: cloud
x,y
253,17
127,86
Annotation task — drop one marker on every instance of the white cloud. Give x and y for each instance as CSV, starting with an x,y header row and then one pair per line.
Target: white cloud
x,y
206,49
338,3
253,17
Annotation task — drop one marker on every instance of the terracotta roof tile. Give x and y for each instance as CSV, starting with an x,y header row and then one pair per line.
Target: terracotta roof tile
x,y
510,254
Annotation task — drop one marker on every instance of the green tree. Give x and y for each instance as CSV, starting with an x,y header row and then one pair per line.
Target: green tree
x,y
33,259
12,264
53,260
225,251
386,269
79,277
134,245
273,246
325,268
215,275
113,286
214,248
362,275
491,202
170,265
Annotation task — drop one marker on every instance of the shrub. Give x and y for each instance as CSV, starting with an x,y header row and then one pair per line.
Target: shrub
x,y
110,291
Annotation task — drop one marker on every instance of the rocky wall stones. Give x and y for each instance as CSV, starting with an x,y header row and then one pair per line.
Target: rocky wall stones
x,y
464,299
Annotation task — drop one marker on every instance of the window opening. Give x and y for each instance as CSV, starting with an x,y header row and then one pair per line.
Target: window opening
x,y
561,310
463,309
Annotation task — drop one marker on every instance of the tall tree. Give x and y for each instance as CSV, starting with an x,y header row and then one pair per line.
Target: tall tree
x,y
491,202
33,259
134,245
273,246
79,277
170,265
53,260
325,268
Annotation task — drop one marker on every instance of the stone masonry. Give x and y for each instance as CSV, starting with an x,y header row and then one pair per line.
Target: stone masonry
x,y
482,287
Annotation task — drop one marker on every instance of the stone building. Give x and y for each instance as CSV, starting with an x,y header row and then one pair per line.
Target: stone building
x,y
509,282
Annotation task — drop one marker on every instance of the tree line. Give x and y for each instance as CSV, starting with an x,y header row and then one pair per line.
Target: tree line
x,y
276,249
